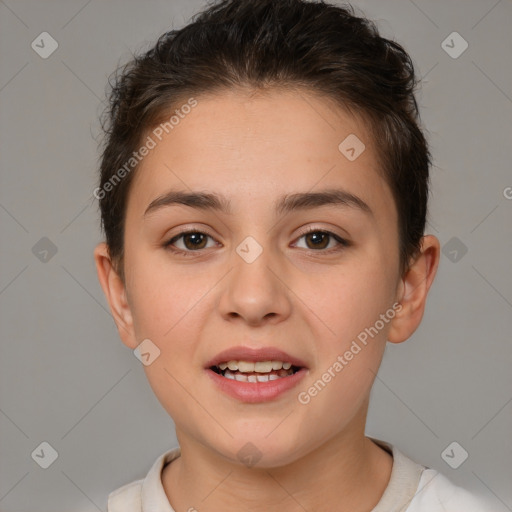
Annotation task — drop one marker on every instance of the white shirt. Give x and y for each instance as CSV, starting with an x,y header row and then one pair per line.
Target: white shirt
x,y
411,488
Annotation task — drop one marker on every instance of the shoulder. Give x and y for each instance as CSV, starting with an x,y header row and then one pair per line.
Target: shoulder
x,y
126,498
437,493
414,487
144,493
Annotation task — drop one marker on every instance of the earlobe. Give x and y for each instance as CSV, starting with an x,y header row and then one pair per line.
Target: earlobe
x,y
115,293
413,290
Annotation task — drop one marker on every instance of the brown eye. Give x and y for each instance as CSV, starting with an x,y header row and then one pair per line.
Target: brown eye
x,y
194,240
188,241
318,240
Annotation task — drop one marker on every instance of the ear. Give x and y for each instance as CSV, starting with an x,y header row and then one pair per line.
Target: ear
x,y
413,290
115,292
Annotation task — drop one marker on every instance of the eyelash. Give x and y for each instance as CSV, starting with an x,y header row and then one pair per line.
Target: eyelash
x,y
343,244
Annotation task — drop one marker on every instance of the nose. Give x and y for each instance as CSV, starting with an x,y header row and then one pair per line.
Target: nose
x,y
255,292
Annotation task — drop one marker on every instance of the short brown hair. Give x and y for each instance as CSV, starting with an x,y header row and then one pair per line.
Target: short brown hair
x,y
261,44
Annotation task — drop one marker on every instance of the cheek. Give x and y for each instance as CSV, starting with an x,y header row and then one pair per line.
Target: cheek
x,y
161,297
166,310
169,309
349,299
349,359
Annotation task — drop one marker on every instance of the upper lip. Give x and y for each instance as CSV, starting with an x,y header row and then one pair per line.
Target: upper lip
x,y
242,353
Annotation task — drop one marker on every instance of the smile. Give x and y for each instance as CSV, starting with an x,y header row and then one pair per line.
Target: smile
x,y
259,371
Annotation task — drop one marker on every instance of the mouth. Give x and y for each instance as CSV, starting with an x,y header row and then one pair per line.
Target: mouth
x,y
255,375
259,371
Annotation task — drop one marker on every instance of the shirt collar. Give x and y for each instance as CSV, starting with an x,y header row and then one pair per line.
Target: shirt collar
x,y
153,495
403,482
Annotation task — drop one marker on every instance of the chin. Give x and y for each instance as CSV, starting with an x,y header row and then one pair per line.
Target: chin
x,y
262,452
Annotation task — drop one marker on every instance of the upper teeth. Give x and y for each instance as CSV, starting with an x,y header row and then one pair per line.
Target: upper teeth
x,y
259,366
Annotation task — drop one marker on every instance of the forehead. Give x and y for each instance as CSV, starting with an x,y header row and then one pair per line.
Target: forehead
x,y
260,146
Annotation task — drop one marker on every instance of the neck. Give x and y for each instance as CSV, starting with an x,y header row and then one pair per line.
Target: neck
x,y
347,473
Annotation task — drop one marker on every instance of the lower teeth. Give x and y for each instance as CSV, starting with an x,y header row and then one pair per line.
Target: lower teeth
x,y
257,377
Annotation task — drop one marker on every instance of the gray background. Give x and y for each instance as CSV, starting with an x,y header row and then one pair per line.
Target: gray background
x,y
65,376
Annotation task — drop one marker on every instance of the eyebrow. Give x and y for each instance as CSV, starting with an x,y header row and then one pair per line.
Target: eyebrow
x,y
285,204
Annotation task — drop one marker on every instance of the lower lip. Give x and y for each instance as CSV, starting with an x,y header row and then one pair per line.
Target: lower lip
x,y
252,392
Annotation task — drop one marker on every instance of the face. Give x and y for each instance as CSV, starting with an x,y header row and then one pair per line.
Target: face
x,y
274,269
